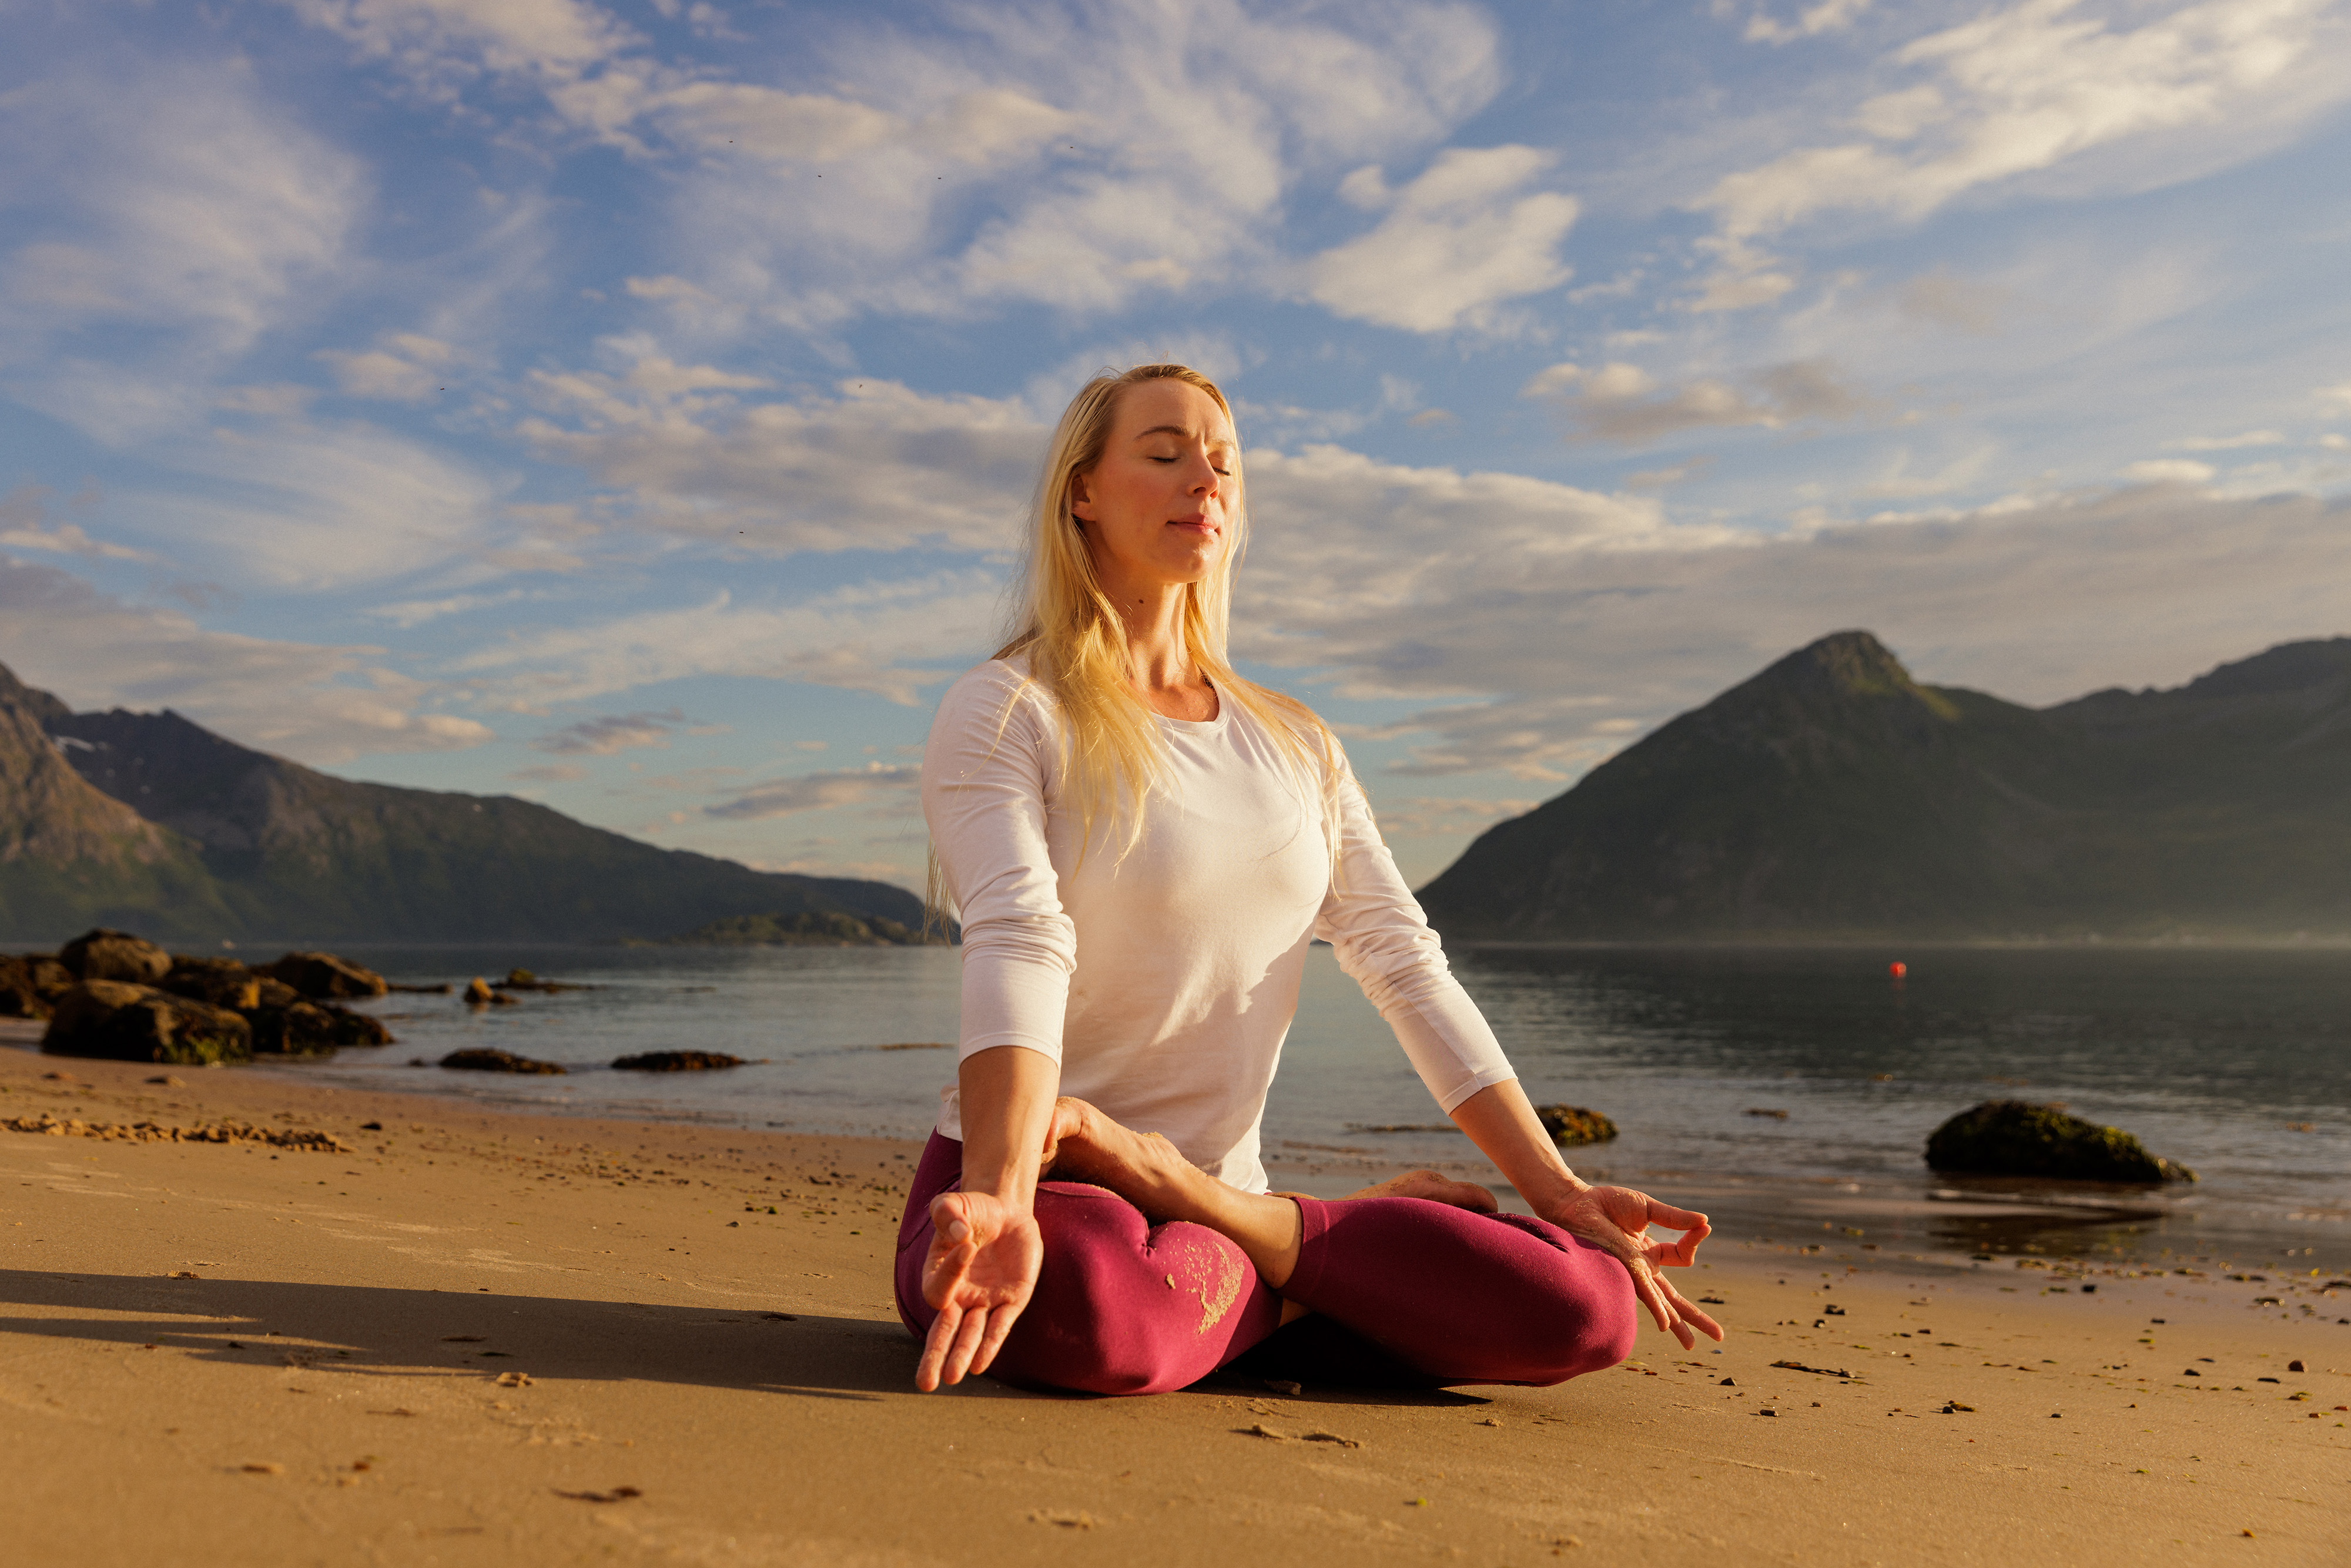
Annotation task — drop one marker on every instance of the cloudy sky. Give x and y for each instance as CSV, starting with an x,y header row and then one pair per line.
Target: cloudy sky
x,y
629,406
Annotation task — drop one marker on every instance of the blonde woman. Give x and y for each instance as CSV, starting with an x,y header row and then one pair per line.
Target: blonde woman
x,y
1141,845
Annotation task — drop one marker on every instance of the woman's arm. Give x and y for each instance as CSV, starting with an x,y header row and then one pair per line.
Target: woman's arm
x,y
1384,941
1504,1126
985,1246
984,798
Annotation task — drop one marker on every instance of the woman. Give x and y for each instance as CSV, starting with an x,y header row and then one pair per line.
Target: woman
x,y
1142,844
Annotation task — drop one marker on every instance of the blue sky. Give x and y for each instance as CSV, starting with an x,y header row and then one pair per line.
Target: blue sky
x,y
631,405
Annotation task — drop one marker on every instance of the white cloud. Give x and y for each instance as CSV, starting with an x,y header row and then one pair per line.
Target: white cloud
x,y
304,505
174,199
1077,156
317,704
1828,16
1898,482
2169,471
2029,88
1461,239
1623,403
407,367
876,467
816,792
412,612
874,637
1573,622
611,733
2339,397
24,525
2229,443
442,43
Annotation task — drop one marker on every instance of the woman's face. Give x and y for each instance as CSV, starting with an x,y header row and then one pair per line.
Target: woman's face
x,y
1158,507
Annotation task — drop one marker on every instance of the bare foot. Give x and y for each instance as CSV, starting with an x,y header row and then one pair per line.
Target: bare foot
x,y
1145,1169
1436,1189
1083,1145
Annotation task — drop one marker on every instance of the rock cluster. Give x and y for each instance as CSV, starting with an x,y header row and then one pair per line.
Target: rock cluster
x,y
479,1059
2015,1138
677,1062
111,994
1574,1124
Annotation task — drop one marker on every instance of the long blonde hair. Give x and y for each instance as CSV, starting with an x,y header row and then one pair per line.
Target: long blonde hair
x,y
1074,641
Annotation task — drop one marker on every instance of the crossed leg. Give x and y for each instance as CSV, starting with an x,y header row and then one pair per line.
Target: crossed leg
x,y
1417,1278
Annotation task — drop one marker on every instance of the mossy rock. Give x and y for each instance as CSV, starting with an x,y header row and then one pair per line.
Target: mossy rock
x,y
677,1062
119,1021
479,1059
2015,1138
1574,1124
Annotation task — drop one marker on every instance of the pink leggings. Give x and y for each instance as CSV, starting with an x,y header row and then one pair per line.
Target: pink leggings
x,y
1402,1292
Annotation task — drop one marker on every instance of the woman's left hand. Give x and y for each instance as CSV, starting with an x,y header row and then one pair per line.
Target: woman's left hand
x,y
1618,1219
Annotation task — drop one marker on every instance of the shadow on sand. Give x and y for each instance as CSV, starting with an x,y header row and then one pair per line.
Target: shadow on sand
x,y
373,1331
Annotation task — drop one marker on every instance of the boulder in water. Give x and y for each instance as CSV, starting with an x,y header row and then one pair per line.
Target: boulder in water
x,y
479,994
19,996
677,1062
103,954
324,976
1574,1124
222,982
477,1059
312,1029
124,1022
2015,1138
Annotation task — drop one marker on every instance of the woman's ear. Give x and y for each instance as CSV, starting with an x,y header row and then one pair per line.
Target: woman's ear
x,y
1081,495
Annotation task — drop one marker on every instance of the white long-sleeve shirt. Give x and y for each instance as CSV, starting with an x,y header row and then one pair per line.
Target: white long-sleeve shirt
x,y
1164,981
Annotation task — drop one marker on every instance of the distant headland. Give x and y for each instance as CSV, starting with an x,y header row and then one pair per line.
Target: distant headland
x,y
1833,798
150,822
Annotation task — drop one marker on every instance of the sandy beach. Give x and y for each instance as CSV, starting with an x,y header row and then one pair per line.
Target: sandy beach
x,y
471,1336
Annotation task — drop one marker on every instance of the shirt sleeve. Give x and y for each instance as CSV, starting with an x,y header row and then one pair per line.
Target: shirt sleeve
x,y
1384,944
984,780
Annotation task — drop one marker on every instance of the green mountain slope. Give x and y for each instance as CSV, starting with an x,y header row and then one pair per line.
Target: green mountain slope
x,y
238,843
71,856
1831,796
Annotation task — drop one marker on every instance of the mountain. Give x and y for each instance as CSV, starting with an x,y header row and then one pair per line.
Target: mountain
x,y
153,824
71,856
1832,797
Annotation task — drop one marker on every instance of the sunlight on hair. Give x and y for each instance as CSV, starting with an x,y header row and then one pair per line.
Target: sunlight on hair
x,y
1064,625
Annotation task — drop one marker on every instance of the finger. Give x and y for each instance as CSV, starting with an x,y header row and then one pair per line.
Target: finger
x,y
1668,1216
934,1348
966,1344
999,1325
1645,1285
1691,1313
1682,1251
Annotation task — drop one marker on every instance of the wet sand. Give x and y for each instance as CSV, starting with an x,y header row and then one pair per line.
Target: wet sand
x,y
486,1337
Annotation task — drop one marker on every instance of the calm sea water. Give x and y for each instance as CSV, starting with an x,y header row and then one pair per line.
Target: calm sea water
x,y
2237,1062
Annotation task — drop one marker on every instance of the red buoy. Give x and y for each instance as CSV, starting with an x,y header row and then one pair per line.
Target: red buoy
x,y
1897,968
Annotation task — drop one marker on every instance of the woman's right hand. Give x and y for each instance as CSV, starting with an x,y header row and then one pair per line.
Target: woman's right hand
x,y
982,1266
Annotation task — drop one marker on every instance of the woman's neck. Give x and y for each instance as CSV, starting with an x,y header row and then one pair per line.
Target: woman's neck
x,y
1159,661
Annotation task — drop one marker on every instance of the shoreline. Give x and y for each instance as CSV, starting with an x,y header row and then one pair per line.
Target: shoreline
x,y
493,1335
1934,1219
